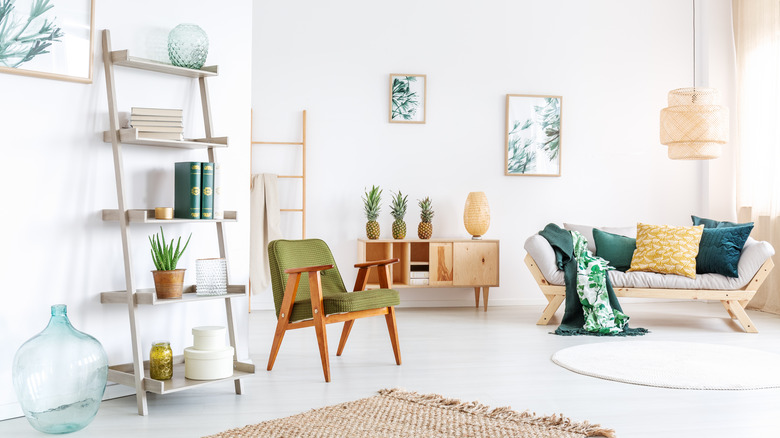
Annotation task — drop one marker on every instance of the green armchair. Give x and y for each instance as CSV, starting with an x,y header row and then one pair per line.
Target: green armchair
x,y
324,299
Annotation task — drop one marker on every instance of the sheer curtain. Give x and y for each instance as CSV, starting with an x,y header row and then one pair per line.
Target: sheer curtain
x,y
757,44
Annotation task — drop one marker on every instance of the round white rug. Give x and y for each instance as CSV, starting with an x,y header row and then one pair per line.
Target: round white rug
x,y
681,365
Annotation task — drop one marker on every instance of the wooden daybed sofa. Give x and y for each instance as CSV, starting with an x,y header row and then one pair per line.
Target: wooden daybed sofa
x,y
755,264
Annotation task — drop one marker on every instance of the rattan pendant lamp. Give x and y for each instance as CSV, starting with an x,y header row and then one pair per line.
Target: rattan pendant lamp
x,y
694,125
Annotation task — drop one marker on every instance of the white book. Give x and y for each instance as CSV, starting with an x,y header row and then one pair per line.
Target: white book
x,y
419,274
145,128
161,135
418,281
136,111
219,213
166,119
170,124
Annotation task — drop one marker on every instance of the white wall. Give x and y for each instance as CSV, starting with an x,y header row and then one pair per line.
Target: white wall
x,y
59,176
613,61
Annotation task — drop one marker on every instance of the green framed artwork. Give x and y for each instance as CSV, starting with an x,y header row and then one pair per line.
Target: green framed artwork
x,y
50,39
407,98
533,135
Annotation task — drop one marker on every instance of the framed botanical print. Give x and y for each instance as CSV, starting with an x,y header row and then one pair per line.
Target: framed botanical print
x,y
50,39
407,98
533,135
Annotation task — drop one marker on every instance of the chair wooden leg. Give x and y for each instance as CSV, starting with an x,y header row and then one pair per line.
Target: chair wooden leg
x,y
281,328
392,327
344,335
318,312
284,316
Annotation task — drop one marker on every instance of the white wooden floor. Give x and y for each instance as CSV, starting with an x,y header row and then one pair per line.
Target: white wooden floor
x,y
499,358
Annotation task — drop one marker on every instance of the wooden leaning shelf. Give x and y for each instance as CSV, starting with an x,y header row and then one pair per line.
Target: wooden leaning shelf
x,y
136,373
734,301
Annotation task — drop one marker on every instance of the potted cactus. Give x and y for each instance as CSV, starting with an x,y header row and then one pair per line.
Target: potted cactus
x,y
371,202
425,229
398,211
168,281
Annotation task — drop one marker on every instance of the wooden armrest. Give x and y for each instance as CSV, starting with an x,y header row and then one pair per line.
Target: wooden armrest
x,y
307,269
376,263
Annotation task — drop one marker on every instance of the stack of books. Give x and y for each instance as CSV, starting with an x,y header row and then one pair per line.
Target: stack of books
x,y
418,278
158,123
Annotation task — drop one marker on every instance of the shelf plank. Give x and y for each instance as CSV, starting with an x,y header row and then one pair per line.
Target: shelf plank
x,y
148,296
130,136
123,58
123,374
146,216
419,263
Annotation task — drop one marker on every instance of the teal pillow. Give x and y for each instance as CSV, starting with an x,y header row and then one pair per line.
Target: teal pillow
x,y
614,248
720,249
711,223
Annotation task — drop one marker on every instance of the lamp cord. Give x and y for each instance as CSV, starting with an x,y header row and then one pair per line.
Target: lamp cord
x,y
694,43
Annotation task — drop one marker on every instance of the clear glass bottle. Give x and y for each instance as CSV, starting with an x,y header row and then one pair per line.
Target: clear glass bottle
x,y
60,376
161,361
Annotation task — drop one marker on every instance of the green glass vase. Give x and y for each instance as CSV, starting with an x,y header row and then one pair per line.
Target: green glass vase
x,y
60,376
188,46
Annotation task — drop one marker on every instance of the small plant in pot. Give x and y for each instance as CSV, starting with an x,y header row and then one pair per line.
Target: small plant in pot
x,y
168,281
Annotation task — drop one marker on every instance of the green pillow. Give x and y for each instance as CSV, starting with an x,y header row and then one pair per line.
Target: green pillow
x,y
614,248
711,223
720,249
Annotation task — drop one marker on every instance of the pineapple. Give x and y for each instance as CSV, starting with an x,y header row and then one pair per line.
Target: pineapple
x,y
371,202
425,229
398,211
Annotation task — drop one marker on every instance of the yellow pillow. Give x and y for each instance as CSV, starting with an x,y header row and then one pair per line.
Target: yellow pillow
x,y
666,249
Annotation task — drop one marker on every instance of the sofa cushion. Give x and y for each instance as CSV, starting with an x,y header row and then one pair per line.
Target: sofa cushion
x,y
754,254
711,223
666,249
720,249
587,232
614,248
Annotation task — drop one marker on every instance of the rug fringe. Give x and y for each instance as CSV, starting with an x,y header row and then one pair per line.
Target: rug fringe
x,y
501,413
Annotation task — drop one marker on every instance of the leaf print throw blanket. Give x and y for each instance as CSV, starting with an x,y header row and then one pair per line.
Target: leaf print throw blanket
x,y
591,305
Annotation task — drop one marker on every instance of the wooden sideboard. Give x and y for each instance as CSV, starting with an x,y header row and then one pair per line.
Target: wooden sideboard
x,y
442,262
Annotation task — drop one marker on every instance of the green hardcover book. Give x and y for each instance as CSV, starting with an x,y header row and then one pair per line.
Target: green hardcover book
x,y
207,191
186,195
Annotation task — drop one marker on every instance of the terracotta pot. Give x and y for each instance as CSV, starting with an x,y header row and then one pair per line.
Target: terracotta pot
x,y
168,284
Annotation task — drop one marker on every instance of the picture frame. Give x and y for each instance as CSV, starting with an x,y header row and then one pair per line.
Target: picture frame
x,y
60,46
408,98
533,135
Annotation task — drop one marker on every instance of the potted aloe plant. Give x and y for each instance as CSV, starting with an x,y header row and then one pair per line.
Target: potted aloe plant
x,y
168,281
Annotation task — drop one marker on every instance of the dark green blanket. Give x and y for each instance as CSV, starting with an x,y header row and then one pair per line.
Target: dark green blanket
x,y
573,316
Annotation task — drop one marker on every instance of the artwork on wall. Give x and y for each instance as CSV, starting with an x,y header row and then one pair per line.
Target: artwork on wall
x,y
407,98
49,39
533,135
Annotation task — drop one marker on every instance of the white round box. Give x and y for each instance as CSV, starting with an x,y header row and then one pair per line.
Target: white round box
x,y
208,365
211,337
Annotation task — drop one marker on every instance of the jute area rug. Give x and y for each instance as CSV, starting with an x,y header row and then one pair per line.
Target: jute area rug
x,y
398,413
679,365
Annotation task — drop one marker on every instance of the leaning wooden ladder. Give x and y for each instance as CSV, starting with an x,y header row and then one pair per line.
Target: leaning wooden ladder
x,y
302,176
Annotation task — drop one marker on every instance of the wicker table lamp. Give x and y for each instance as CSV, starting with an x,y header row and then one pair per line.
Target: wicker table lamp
x,y
476,215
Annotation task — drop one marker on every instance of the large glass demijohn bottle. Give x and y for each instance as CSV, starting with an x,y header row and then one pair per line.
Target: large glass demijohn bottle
x,y
60,375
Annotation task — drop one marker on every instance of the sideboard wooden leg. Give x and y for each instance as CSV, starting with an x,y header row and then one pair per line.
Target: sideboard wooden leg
x,y
476,297
485,291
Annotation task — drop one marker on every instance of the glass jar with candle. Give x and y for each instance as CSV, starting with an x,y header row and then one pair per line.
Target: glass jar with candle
x,y
161,361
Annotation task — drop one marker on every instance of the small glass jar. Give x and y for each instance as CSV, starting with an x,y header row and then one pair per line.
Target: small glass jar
x,y
161,361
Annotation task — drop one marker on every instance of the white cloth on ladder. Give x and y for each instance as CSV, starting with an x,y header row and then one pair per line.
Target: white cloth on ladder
x,y
264,228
